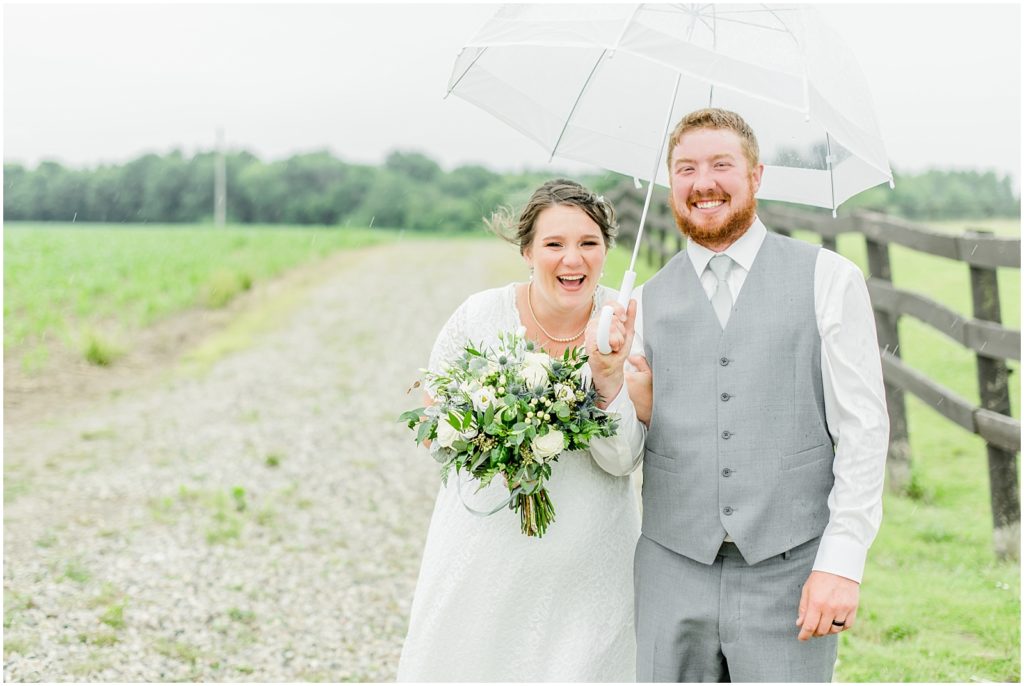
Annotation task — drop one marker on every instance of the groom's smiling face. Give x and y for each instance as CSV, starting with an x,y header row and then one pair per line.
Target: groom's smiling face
x,y
713,187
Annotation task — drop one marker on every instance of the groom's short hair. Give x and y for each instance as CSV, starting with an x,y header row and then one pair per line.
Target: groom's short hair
x,y
716,118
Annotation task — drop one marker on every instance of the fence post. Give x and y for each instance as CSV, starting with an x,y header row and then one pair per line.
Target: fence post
x,y
898,473
994,390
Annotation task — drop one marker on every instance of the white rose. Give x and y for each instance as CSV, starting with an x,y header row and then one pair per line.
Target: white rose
x,y
565,393
548,445
535,369
448,434
483,398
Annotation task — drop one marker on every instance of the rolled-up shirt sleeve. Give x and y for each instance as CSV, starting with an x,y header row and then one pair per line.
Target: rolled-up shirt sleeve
x,y
855,412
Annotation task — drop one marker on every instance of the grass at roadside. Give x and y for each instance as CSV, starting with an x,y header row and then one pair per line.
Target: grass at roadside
x,y
89,287
935,605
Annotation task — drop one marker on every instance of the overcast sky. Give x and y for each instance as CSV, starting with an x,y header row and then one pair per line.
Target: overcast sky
x,y
85,84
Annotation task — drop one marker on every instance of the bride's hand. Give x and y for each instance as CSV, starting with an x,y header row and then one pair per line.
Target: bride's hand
x,y
608,369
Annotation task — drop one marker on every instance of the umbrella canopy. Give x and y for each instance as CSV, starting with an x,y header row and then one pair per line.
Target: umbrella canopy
x,y
597,84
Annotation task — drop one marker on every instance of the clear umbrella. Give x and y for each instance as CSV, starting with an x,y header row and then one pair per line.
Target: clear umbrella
x,y
602,84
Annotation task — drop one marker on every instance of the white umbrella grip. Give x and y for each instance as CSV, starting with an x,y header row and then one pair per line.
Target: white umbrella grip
x,y
604,324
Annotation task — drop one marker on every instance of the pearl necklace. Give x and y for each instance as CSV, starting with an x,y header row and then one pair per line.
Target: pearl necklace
x,y
555,339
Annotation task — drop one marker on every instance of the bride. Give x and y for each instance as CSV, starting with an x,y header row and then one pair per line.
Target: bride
x,y
492,604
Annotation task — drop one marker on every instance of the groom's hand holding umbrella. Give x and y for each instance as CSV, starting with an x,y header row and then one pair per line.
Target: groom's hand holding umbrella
x,y
607,368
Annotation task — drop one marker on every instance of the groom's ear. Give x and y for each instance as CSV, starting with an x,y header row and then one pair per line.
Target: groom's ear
x,y
755,175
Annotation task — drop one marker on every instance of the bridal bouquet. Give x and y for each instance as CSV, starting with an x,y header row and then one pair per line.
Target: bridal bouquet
x,y
510,412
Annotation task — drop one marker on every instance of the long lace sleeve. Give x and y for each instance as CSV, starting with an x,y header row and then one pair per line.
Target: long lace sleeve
x,y
622,453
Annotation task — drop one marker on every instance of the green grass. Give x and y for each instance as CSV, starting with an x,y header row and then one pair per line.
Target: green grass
x,y
88,286
114,616
936,605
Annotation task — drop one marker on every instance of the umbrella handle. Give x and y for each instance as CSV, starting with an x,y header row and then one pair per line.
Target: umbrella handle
x,y
604,325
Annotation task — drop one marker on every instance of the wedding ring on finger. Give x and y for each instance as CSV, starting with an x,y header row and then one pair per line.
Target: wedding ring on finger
x,y
839,626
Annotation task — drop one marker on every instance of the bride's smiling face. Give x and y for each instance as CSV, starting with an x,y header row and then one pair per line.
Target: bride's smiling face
x,y
567,254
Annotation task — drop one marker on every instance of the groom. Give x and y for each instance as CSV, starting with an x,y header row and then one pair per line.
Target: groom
x,y
767,433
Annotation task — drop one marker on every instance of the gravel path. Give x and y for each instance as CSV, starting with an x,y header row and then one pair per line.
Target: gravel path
x,y
261,522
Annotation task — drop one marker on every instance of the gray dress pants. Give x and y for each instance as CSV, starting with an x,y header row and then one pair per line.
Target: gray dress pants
x,y
727,621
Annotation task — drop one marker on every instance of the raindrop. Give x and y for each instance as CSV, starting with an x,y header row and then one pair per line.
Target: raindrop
x,y
983,344
974,249
939,402
896,350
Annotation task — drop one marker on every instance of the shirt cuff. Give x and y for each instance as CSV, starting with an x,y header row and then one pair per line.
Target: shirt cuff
x,y
842,556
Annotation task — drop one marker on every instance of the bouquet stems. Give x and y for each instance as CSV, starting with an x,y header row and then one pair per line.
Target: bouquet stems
x,y
535,512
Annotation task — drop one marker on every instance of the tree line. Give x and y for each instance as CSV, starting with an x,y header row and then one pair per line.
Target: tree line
x,y
936,194
409,190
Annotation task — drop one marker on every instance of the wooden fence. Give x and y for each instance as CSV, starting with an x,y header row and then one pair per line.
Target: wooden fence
x,y
983,333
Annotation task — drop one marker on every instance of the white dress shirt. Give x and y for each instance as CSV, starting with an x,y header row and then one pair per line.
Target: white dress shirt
x,y
855,412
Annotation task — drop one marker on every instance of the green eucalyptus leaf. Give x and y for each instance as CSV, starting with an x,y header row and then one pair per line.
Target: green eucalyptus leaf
x,y
425,431
480,459
412,417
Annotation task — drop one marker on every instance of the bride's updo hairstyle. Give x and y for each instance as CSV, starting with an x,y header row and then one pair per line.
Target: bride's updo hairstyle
x,y
555,192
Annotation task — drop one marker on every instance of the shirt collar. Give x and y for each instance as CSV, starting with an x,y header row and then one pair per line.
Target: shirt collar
x,y
742,251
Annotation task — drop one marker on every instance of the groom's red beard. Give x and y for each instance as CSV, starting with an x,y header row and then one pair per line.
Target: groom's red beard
x,y
727,231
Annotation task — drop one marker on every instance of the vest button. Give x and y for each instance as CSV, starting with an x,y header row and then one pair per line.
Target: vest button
x,y
727,510
726,435
724,361
726,472
725,397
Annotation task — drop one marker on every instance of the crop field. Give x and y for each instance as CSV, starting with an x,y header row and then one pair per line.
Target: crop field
x,y
88,287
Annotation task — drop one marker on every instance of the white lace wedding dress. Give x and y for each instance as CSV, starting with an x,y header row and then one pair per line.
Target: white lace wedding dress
x,y
492,604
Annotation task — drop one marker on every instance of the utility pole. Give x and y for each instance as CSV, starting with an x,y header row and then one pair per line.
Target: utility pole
x,y
220,195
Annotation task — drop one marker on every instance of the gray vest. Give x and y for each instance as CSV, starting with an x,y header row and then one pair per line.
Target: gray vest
x,y
738,442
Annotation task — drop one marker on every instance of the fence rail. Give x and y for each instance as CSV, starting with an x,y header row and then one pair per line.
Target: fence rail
x,y
982,332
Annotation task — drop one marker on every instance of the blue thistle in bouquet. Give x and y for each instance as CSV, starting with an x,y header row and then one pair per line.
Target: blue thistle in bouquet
x,y
510,412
